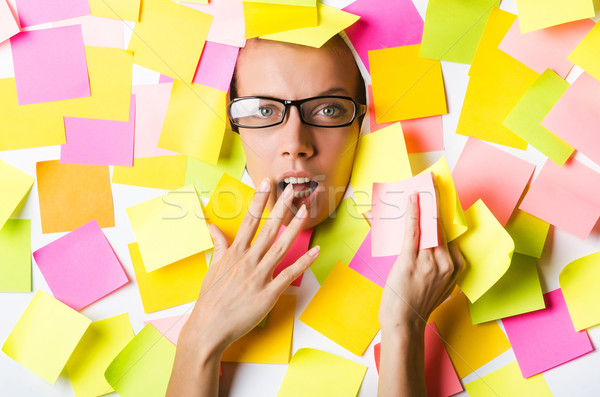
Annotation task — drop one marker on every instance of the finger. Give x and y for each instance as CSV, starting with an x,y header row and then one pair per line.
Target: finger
x,y
440,223
410,245
457,258
252,218
220,242
292,272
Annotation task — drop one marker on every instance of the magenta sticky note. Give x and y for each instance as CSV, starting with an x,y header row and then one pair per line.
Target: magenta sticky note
x,y
8,22
165,79
81,267
498,178
298,248
50,65
34,12
372,267
383,24
99,142
388,213
546,338
170,327
216,65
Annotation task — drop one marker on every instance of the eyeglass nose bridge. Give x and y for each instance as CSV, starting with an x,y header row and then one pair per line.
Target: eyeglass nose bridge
x,y
297,104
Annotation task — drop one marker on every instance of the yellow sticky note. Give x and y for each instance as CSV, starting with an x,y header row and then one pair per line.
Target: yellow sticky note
x,y
263,18
169,228
528,232
345,309
331,22
539,14
508,381
271,343
195,121
317,373
586,54
171,285
15,261
406,86
161,172
102,341
14,186
45,336
579,284
380,157
128,10
469,345
487,249
169,38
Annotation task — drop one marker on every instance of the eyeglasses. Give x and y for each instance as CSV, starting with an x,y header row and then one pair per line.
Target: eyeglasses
x,y
321,111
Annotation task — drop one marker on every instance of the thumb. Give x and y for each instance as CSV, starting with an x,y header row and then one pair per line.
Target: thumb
x,y
220,241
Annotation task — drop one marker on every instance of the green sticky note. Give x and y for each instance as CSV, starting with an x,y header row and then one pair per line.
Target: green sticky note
x,y
15,260
528,232
15,185
526,117
143,367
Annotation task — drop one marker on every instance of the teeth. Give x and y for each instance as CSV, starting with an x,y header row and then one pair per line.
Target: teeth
x,y
294,180
303,193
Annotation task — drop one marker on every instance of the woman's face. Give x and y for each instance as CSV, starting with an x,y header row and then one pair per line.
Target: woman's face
x,y
294,149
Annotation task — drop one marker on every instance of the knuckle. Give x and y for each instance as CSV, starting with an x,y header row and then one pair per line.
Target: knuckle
x,y
277,249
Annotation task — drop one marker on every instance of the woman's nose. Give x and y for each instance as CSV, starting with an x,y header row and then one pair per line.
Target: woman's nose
x,y
296,137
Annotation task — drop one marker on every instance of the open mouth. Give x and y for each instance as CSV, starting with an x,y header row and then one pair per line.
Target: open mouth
x,y
303,186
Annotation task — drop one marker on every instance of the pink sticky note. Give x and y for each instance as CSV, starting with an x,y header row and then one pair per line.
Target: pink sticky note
x,y
388,23
99,142
388,214
567,197
298,248
493,175
8,22
81,267
545,338
34,12
228,26
170,327
50,65
374,268
546,48
576,116
165,79
98,31
216,65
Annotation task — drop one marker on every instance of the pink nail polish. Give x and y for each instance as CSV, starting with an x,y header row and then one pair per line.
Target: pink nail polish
x,y
287,193
264,185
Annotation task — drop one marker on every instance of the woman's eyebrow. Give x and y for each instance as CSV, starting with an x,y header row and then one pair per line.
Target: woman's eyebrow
x,y
335,90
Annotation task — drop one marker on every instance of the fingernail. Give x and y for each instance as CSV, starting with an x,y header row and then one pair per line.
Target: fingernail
x,y
414,197
264,185
314,251
289,190
301,212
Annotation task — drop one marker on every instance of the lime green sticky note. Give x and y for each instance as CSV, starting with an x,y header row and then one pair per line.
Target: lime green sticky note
x,y
586,54
508,381
518,291
15,185
317,373
143,367
102,341
15,261
528,232
579,284
539,14
45,336
339,236
526,117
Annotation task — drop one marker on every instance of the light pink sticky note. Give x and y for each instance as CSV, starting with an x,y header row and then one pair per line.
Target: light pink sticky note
x,y
50,65
165,79
216,65
298,248
98,31
228,26
493,175
81,267
8,22
546,338
388,23
546,48
34,12
374,268
99,142
388,214
567,197
170,327
576,116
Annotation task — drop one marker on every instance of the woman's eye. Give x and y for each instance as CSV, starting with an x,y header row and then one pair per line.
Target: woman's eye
x,y
330,111
266,112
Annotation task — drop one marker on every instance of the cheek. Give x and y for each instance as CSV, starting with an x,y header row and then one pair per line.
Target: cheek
x,y
258,161
338,153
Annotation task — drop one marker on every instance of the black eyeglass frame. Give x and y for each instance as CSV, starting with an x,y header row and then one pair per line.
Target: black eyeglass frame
x,y
359,110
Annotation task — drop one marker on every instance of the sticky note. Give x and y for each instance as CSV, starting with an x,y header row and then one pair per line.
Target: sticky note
x,y
487,249
8,22
545,338
195,121
71,195
375,268
390,24
262,18
528,232
469,345
345,309
454,38
50,65
406,86
298,248
98,31
169,327
216,65
331,22
45,336
33,12
102,341
171,285
576,116
321,374
15,262
389,212
143,367
539,14
15,185
585,55
507,381
526,117
169,38
339,237
169,228
99,142
380,157
227,26
477,176
162,172
128,10
578,282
